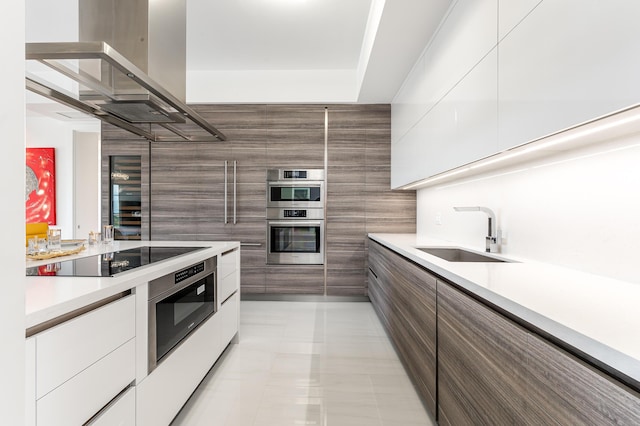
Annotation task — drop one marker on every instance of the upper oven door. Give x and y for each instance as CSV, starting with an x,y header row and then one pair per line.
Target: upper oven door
x,y
295,194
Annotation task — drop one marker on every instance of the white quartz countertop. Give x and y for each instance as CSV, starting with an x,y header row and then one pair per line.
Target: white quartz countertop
x,y
48,297
594,316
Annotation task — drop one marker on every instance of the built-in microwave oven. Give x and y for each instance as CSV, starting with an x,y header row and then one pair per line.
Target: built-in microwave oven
x,y
178,303
295,188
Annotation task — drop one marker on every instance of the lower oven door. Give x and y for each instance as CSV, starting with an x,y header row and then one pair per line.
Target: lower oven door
x,y
174,316
298,242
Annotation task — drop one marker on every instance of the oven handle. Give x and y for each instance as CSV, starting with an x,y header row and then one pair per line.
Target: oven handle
x,y
318,183
295,222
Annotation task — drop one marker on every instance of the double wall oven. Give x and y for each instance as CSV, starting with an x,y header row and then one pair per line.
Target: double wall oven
x,y
295,216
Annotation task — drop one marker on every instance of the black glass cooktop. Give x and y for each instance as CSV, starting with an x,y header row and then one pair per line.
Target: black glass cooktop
x,y
109,264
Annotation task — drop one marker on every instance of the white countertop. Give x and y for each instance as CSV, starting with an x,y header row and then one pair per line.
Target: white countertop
x,y
48,297
595,315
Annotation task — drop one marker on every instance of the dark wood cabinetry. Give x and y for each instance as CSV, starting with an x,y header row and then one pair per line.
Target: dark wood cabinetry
x,y
491,370
404,296
481,359
565,390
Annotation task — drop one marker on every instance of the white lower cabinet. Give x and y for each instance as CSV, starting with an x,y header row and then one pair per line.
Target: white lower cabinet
x,y
229,319
83,370
228,274
76,369
164,391
71,347
83,396
121,412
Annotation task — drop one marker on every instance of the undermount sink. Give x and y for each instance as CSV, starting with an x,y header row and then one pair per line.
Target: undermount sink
x,y
458,255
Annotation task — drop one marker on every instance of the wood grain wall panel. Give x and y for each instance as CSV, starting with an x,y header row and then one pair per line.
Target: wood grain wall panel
x,y
295,117
391,225
348,174
378,152
241,118
359,176
187,197
345,233
345,201
360,116
298,279
295,148
346,149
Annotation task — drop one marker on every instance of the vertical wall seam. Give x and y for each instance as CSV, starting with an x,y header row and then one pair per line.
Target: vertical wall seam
x,y
326,183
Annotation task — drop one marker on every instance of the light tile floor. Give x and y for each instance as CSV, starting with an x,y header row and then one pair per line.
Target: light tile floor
x,y
306,363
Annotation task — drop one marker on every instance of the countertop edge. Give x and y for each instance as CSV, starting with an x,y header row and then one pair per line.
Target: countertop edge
x,y
102,288
613,362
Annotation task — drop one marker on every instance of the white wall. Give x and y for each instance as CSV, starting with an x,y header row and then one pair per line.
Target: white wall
x,y
271,86
12,181
45,132
578,209
49,133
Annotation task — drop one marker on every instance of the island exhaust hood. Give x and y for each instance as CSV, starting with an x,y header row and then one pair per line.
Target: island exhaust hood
x,y
128,69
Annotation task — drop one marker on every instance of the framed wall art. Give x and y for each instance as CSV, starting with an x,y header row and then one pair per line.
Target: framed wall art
x,y
40,187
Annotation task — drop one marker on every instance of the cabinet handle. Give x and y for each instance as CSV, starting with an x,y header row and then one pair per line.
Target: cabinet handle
x,y
226,164
228,251
250,244
235,166
374,274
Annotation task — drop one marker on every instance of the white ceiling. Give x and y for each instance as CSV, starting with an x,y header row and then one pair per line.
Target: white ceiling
x,y
275,34
268,51
305,50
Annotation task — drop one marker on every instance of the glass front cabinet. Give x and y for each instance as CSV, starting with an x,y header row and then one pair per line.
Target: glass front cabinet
x,y
125,187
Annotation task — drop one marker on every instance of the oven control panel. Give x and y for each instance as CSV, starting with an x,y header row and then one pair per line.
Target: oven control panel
x,y
189,272
294,213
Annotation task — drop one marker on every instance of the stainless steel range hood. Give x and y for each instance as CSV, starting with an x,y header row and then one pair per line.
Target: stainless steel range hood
x,y
129,69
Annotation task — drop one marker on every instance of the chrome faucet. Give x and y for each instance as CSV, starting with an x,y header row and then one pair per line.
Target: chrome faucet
x,y
491,240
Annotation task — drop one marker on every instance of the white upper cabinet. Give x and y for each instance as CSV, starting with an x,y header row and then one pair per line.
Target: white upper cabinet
x,y
511,12
568,62
467,34
461,128
557,65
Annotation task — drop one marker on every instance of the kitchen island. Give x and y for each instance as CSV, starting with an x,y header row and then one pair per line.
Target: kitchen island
x,y
533,333
88,338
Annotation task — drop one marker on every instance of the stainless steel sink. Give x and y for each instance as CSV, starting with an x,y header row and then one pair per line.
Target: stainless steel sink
x,y
458,255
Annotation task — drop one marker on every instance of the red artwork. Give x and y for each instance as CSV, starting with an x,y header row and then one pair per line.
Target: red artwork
x,y
40,192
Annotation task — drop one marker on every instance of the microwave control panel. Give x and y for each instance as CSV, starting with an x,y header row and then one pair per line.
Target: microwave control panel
x,y
189,272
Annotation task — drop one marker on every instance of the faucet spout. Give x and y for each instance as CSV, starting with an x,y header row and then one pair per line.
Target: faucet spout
x,y
491,240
